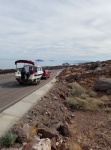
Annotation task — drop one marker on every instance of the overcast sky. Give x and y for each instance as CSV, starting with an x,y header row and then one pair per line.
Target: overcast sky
x,y
55,29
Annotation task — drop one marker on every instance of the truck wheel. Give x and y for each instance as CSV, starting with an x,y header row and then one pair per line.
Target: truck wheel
x,y
20,83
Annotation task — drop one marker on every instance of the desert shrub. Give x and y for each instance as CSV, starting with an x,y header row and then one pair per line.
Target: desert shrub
x,y
8,139
105,98
93,104
84,96
73,102
92,94
76,103
84,104
76,89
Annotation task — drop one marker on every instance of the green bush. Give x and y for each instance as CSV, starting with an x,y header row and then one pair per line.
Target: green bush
x,y
8,139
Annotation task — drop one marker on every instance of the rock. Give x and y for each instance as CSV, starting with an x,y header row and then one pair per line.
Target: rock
x,y
71,78
103,84
57,125
47,134
36,137
42,144
98,69
62,96
29,146
94,65
53,143
26,129
64,129
64,146
72,115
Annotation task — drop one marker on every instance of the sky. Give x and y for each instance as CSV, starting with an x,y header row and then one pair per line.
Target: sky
x,y
55,30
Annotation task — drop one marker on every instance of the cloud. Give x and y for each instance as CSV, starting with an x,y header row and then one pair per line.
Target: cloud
x,y
58,30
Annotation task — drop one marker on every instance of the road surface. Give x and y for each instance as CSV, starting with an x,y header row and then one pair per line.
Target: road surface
x,y
11,92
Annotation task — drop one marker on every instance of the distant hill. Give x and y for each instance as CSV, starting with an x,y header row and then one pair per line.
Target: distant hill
x,y
39,60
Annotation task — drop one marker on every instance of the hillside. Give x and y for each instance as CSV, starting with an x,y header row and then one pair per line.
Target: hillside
x,y
75,114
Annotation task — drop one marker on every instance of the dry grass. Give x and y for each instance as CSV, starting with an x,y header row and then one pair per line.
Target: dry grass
x,y
84,96
105,98
84,104
76,89
33,131
82,99
73,145
78,140
92,93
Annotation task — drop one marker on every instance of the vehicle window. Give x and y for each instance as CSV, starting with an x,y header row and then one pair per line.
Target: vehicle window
x,y
36,69
30,69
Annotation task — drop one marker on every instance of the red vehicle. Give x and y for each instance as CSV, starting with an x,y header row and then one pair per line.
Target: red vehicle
x,y
46,74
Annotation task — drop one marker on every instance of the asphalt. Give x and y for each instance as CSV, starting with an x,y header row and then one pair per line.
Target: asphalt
x,y
13,114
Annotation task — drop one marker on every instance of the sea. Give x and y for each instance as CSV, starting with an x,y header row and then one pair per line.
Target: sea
x,y
10,63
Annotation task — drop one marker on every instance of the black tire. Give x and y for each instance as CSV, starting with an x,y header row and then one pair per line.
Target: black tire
x,y
20,83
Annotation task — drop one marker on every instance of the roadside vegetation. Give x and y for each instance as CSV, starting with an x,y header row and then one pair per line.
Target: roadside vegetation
x,y
8,139
82,99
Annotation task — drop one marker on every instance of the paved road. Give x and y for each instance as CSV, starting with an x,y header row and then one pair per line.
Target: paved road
x,y
11,92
